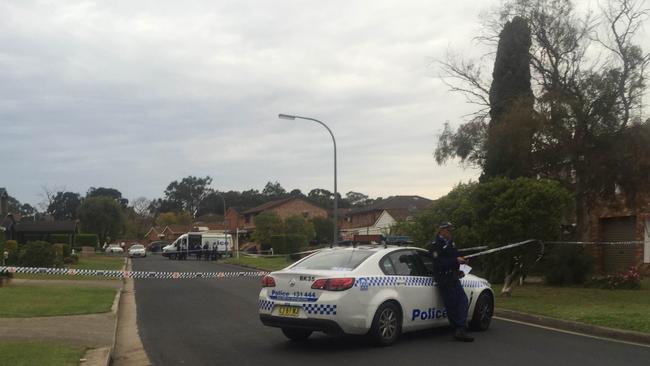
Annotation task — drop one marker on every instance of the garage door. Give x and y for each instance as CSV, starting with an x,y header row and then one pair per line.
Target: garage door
x,y
618,257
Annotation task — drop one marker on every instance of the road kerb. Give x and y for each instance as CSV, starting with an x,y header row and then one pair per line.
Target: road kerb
x,y
588,329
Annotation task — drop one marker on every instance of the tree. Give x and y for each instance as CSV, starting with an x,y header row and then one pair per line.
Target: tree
x,y
108,192
584,106
511,126
267,224
297,225
274,190
172,218
25,209
64,205
357,199
323,228
141,206
102,216
498,212
189,193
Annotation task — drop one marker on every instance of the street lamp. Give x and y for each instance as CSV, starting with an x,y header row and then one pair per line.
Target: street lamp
x,y
336,195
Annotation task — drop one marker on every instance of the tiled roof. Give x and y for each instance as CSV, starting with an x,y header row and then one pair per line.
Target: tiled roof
x,y
268,205
398,205
46,226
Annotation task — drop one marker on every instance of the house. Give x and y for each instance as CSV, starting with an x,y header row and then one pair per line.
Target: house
x,y
154,234
286,207
379,217
614,221
26,231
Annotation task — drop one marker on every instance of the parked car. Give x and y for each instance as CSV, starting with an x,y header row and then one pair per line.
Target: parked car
x,y
379,291
137,250
156,246
114,248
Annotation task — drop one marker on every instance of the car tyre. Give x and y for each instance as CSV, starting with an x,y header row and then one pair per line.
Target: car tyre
x,y
173,256
386,325
483,311
297,335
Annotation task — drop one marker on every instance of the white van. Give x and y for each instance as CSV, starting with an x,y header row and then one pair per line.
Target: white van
x,y
200,244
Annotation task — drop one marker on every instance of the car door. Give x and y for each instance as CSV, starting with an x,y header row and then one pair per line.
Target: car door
x,y
415,287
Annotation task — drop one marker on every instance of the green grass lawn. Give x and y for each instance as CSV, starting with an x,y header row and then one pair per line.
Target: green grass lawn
x,y
32,301
623,309
267,264
97,261
27,353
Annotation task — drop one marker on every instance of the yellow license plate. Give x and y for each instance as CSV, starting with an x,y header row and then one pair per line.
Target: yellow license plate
x,y
291,311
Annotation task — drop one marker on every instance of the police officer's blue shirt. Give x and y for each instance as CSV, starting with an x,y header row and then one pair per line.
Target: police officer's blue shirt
x,y
444,255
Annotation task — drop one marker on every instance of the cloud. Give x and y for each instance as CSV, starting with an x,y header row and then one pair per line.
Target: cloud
x,y
133,95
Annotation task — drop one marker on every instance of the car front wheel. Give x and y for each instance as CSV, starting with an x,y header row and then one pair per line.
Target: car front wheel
x,y
296,334
386,325
483,311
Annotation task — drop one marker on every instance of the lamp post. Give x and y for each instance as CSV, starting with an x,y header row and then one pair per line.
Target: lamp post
x,y
336,195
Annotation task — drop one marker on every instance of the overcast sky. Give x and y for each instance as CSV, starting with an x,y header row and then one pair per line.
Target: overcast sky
x,y
135,94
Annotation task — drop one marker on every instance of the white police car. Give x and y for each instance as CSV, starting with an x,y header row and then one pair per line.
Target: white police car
x,y
379,291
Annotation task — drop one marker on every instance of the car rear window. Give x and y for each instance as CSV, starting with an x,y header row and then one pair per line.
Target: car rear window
x,y
337,260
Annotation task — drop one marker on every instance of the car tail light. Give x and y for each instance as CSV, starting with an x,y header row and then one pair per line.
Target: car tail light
x,y
268,281
333,284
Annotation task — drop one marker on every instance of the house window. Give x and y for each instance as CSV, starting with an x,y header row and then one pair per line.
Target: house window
x,y
247,219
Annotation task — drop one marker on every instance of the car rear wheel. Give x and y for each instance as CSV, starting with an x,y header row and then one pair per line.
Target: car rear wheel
x,y
172,256
296,334
483,311
386,325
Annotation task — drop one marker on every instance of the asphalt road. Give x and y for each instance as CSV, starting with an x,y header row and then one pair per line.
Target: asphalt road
x,y
215,322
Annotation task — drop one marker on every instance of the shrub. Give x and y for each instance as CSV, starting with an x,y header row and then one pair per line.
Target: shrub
x,y
277,243
629,280
37,254
58,238
11,246
567,265
72,259
91,240
62,251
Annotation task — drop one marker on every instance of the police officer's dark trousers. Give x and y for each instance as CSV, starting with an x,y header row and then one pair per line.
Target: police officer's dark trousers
x,y
455,301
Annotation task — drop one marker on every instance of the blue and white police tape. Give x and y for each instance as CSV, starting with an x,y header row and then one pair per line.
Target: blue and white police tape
x,y
542,243
131,274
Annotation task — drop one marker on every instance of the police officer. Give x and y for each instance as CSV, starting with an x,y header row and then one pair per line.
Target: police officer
x,y
446,272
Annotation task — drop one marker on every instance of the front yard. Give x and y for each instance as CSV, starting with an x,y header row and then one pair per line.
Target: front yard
x,y
33,301
623,309
97,261
27,353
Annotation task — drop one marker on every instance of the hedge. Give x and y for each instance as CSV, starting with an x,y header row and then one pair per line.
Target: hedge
x,y
287,244
59,238
37,254
91,240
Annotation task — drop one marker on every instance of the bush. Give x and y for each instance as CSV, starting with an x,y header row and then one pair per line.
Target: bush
x,y
62,251
567,265
10,246
37,254
91,240
72,259
629,280
277,243
58,238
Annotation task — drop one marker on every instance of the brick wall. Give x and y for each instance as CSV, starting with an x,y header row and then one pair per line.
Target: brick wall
x,y
299,207
618,209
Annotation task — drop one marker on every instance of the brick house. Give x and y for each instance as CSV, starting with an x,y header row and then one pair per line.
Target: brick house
x,y
614,222
378,218
283,208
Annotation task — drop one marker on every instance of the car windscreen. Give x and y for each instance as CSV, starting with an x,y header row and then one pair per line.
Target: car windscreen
x,y
137,247
336,260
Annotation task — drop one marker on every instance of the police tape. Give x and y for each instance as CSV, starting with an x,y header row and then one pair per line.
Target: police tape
x,y
542,243
131,274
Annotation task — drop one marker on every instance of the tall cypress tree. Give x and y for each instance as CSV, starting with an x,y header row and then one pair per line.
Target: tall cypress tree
x,y
511,126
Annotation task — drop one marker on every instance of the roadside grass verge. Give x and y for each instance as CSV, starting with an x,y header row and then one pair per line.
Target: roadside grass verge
x,y
27,353
622,309
36,301
97,261
263,263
